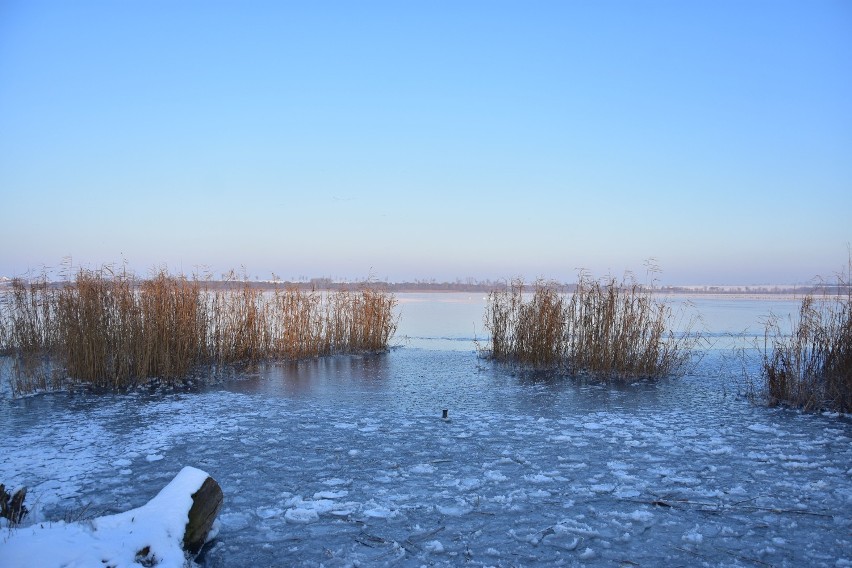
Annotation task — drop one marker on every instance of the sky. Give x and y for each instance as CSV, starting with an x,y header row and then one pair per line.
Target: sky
x,y
428,139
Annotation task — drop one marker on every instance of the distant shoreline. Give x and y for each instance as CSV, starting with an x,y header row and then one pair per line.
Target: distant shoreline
x,y
769,292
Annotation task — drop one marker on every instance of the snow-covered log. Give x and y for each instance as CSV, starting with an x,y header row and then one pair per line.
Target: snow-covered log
x,y
165,532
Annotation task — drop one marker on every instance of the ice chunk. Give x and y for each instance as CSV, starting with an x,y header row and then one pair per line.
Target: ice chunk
x,y
693,537
379,512
457,509
764,429
641,516
538,478
330,494
495,476
423,468
299,515
321,506
268,512
235,521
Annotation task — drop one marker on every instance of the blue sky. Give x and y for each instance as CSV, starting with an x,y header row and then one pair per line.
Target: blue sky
x,y
428,139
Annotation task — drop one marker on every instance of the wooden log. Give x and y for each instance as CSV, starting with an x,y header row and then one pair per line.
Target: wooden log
x,y
206,503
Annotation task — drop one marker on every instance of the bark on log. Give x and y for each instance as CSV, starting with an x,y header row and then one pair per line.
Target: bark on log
x,y
206,503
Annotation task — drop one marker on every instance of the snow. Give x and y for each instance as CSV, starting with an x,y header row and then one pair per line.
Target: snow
x,y
151,533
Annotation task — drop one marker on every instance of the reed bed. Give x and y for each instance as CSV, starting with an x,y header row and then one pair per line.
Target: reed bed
x,y
812,367
112,331
606,328
29,333
237,324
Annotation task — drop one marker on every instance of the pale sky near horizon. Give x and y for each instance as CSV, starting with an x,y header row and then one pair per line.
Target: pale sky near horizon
x,y
429,139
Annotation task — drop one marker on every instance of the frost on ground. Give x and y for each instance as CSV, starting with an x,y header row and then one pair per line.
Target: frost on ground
x,y
348,462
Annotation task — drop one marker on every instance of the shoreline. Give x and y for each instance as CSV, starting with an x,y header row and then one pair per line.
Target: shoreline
x,y
711,292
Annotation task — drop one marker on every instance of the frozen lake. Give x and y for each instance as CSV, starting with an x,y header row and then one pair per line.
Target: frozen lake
x,y
346,461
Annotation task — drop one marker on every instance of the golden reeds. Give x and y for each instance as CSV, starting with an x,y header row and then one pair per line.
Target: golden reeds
x,y
606,328
305,333
173,316
29,332
111,331
31,317
238,323
812,368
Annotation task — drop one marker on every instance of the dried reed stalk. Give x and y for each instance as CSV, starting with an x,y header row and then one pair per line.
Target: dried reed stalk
x,y
29,332
297,326
110,331
606,328
812,368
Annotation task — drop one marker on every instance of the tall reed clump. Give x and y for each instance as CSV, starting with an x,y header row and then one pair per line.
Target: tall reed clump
x,y
173,319
31,317
360,320
29,332
812,367
299,328
530,333
605,328
112,331
239,326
